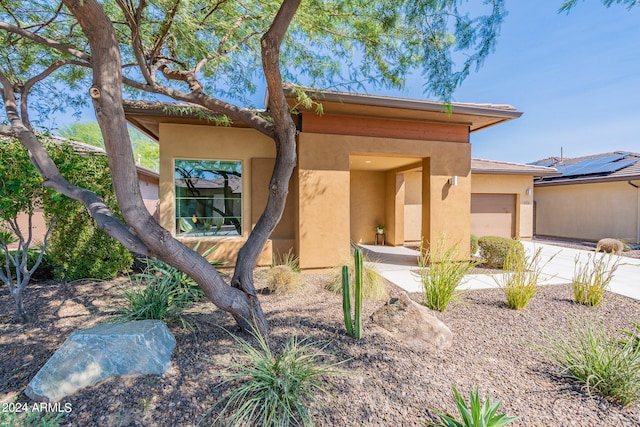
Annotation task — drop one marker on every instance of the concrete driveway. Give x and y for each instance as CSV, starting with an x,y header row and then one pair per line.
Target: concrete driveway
x,y
399,266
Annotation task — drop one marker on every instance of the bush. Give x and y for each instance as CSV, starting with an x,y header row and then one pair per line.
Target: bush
x,y
374,286
282,279
473,245
610,246
494,250
289,259
603,363
441,272
520,283
476,414
275,390
79,249
592,278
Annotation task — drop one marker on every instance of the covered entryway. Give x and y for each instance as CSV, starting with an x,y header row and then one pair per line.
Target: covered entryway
x,y
493,215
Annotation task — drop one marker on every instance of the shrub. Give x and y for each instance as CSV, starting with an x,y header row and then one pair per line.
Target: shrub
x,y
476,414
374,286
157,298
632,336
289,259
441,272
494,250
275,390
282,279
79,249
520,283
592,278
610,246
599,361
474,244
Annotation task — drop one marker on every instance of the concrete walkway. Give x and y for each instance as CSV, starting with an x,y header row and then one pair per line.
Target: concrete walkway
x,y
399,265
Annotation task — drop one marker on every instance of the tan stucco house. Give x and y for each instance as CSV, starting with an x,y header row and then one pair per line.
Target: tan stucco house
x,y
594,197
366,161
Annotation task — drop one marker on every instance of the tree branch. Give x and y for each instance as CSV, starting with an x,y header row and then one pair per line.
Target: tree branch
x,y
217,106
26,89
44,41
98,210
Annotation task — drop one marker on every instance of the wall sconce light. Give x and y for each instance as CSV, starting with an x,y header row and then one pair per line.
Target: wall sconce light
x,y
453,180
529,192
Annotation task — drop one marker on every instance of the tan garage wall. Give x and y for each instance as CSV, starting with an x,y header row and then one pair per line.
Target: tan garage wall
x,y
514,185
588,211
493,215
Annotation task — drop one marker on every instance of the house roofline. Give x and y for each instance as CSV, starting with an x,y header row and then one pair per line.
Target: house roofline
x,y
574,181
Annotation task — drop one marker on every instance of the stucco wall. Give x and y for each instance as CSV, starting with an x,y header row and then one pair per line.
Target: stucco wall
x,y
178,141
588,211
367,205
510,184
325,202
413,207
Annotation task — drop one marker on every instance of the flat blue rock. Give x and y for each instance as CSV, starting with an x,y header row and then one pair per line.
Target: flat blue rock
x,y
92,355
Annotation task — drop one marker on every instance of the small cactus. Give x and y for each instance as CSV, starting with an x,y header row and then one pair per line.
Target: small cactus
x,y
354,328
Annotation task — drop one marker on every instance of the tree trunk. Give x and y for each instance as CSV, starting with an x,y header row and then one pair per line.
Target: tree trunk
x,y
106,93
21,312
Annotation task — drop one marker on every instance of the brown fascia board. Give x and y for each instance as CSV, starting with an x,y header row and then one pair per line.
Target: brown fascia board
x,y
501,113
513,172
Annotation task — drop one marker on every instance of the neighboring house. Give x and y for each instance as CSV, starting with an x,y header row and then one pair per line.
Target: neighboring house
x,y
595,197
148,180
359,165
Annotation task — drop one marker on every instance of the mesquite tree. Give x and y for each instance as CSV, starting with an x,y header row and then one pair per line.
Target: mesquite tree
x,y
205,54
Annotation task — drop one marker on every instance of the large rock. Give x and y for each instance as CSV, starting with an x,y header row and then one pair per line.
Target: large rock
x,y
413,324
91,355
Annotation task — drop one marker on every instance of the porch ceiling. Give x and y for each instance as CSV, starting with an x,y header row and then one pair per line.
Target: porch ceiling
x,y
374,162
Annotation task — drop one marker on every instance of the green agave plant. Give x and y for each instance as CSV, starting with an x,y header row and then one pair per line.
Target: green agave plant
x,y
476,414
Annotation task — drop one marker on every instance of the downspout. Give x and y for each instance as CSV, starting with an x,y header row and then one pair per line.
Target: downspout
x,y
637,210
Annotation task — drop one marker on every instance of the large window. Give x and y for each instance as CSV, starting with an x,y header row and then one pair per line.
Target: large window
x,y
208,197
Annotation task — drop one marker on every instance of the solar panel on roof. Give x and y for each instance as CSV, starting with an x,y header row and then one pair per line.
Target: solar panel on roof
x,y
543,163
612,167
597,165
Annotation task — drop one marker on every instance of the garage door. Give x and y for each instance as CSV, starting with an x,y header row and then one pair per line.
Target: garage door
x,y
493,215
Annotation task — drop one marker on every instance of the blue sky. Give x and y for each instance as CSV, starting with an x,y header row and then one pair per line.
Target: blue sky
x,y
576,78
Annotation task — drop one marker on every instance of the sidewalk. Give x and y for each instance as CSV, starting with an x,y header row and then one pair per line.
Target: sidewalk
x,y
399,266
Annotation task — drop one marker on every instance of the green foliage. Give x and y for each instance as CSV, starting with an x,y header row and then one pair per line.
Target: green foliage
x,y
44,269
631,336
441,272
153,297
374,286
494,250
282,279
144,149
353,329
473,244
28,418
598,360
591,279
289,259
20,183
275,389
79,249
475,414
519,282
568,5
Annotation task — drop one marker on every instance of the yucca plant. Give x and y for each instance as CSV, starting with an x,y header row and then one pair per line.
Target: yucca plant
x,y
441,272
475,414
602,362
591,279
270,389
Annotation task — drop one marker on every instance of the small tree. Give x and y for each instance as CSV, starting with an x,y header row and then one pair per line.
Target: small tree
x,y
21,192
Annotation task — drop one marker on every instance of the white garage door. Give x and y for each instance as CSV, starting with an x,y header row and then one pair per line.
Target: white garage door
x,y
493,215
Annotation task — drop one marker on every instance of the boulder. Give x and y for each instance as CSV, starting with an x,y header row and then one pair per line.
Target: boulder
x,y
413,324
92,355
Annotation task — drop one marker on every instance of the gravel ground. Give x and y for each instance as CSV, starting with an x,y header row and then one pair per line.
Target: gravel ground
x,y
387,384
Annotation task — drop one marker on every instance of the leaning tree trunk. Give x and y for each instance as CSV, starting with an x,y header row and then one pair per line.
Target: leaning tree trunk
x,y
106,93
